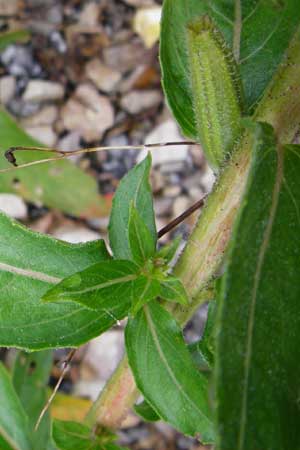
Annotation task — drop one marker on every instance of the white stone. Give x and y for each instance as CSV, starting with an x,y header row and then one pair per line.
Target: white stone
x,y
165,132
100,223
40,90
88,95
102,76
172,191
88,389
13,205
180,204
7,89
147,24
88,112
46,116
75,235
43,134
104,353
137,101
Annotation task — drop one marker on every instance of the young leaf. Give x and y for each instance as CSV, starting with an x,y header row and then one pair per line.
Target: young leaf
x,y
180,396
168,251
59,185
258,345
145,411
14,431
134,187
144,289
30,378
216,90
259,33
74,435
142,243
173,290
103,286
26,275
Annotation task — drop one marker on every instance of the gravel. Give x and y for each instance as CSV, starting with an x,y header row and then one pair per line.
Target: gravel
x,y
13,206
104,77
7,89
38,91
137,101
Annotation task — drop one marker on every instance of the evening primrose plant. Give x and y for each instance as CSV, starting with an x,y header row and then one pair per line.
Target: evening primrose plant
x,y
230,72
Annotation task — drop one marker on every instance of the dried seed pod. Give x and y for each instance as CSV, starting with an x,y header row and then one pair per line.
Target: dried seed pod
x,y
216,90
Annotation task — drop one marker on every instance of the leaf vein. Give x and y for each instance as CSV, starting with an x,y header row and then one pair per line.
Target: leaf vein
x,y
253,300
166,364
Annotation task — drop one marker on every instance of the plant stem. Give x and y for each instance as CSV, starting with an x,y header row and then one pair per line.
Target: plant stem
x,y
116,399
207,244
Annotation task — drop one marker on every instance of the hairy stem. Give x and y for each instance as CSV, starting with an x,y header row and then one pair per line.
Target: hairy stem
x,y
115,400
207,244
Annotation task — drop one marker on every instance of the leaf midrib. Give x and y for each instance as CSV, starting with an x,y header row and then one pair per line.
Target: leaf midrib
x,y
35,275
100,286
165,361
237,29
257,279
9,440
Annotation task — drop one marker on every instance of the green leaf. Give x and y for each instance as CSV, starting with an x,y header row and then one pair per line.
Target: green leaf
x,y
134,187
57,184
11,37
114,447
102,287
259,37
30,263
30,379
105,286
258,344
145,289
14,432
159,358
142,243
168,251
74,435
145,411
173,290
